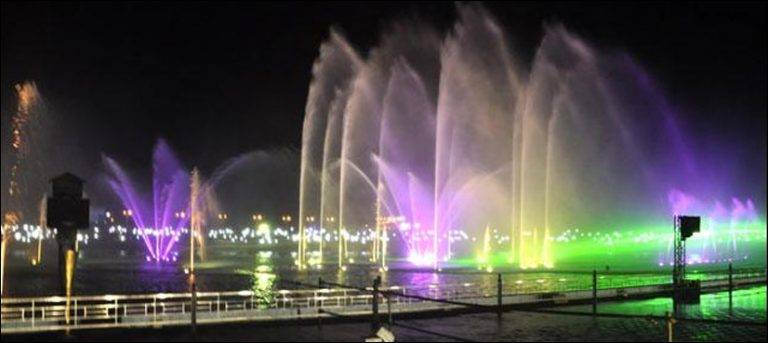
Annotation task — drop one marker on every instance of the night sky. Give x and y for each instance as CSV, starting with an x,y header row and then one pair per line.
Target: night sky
x,y
217,80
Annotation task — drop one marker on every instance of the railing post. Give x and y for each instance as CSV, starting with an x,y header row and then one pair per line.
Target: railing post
x,y
117,308
498,296
670,326
389,308
730,286
33,313
154,309
594,291
193,304
375,306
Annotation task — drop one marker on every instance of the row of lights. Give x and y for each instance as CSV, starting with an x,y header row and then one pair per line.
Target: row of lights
x,y
224,216
126,213
311,219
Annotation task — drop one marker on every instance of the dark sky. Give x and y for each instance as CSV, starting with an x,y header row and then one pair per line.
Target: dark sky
x,y
220,79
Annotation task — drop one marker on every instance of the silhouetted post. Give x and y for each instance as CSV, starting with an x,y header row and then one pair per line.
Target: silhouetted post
x,y
594,291
375,323
67,210
320,309
498,296
670,326
193,305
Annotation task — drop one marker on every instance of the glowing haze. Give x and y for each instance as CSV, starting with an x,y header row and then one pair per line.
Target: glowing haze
x,y
433,135
161,216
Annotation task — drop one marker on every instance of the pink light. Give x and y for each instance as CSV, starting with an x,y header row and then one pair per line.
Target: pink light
x,y
423,260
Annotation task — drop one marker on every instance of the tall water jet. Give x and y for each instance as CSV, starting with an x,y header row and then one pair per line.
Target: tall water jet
x,y
26,179
331,75
331,172
42,226
479,96
406,159
446,140
383,116
196,218
358,188
582,128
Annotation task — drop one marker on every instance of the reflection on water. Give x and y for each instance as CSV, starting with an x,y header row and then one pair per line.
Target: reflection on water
x,y
423,279
263,280
99,272
748,304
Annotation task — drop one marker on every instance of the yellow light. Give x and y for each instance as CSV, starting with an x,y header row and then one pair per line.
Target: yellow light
x,y
2,265
70,272
263,229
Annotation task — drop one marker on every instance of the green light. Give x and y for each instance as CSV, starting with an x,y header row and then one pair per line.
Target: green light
x,y
640,247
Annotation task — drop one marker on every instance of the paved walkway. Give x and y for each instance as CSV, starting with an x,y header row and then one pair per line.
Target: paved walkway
x,y
515,326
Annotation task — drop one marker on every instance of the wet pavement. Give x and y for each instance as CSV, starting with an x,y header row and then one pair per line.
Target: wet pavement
x,y
514,326
748,307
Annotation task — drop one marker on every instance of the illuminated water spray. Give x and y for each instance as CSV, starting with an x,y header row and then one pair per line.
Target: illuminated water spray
x,y
177,200
26,165
484,257
442,136
41,230
160,217
196,217
321,164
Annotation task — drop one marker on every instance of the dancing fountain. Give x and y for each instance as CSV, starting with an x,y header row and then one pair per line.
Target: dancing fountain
x,y
29,164
160,219
448,150
435,139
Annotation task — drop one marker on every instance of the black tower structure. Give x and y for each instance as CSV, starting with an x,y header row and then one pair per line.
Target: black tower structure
x,y
685,291
67,211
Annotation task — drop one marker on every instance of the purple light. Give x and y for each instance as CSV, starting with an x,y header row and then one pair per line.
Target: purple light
x,y
719,221
170,195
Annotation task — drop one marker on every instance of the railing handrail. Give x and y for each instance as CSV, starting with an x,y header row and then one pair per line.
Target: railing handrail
x,y
300,292
241,305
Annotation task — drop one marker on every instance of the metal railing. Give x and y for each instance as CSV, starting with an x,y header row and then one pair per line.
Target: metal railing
x,y
52,313
105,311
